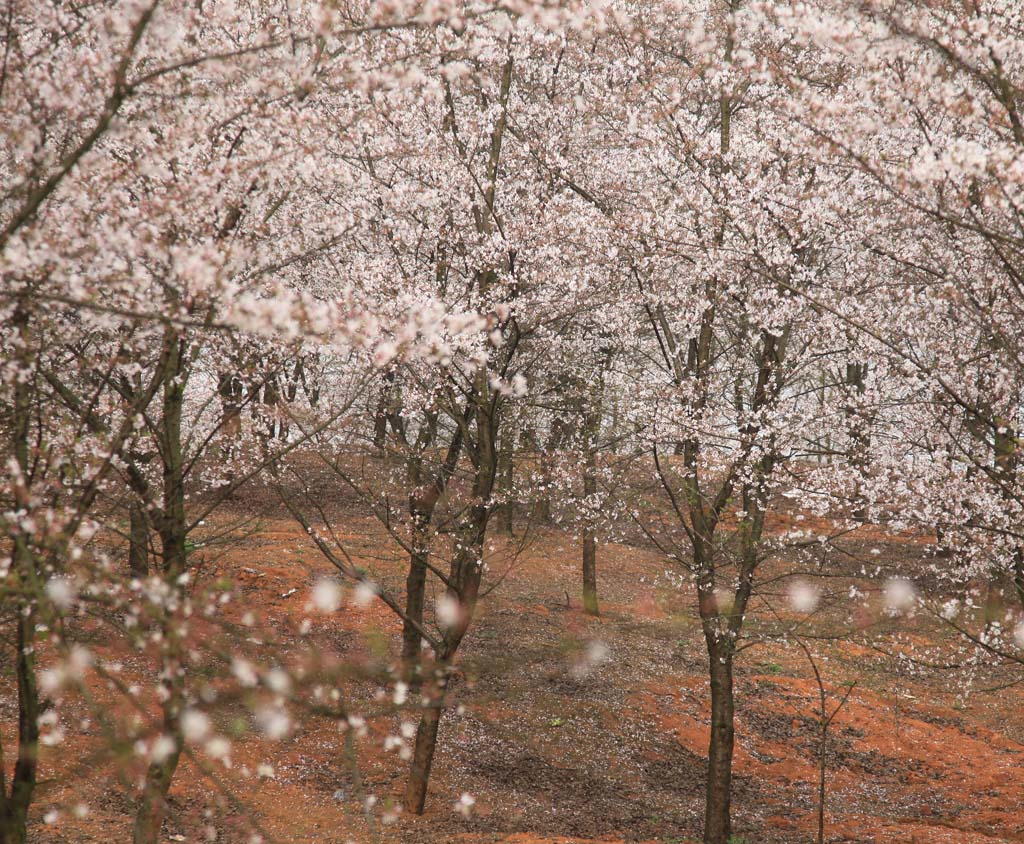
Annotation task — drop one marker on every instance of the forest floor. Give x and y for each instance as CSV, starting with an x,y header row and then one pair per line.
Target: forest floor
x,y
562,740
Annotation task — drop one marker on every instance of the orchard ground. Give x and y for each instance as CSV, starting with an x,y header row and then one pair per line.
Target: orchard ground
x,y
578,729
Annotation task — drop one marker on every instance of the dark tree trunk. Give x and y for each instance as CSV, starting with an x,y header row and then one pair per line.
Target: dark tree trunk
x,y
717,818
465,579
560,431
859,430
152,808
589,572
1018,574
1007,457
464,576
172,528
383,409
415,595
590,430
14,805
272,405
231,389
422,503
422,759
506,512
138,540
822,764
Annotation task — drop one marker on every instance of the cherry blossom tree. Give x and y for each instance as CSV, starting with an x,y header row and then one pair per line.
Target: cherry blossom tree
x,y
721,220
922,105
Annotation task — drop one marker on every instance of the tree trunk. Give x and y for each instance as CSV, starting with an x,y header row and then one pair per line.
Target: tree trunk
x,y
231,390
138,540
1018,574
422,759
415,595
172,528
464,576
560,432
589,572
822,749
15,805
859,431
172,524
1006,459
380,414
505,474
152,808
542,506
422,503
717,818
590,430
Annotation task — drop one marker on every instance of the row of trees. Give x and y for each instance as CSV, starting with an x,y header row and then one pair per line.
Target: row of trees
x,y
466,260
